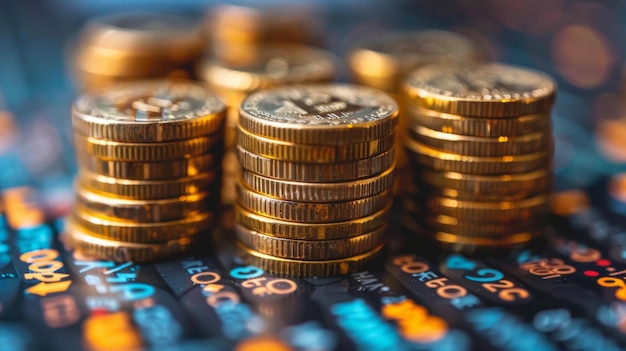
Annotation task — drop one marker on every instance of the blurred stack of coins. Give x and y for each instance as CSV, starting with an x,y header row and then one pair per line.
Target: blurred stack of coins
x,y
384,61
314,196
481,146
149,156
270,66
134,46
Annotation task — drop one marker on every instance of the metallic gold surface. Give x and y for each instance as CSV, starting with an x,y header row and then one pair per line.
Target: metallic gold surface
x,y
320,192
142,211
308,211
496,165
146,190
303,268
308,153
147,152
481,90
312,231
315,172
310,250
120,251
482,146
132,231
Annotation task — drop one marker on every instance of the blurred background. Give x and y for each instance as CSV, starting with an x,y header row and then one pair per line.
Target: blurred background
x,y
580,43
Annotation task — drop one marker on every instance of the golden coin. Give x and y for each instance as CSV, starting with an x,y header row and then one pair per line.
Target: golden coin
x,y
496,211
129,230
481,89
303,268
311,250
459,243
121,251
331,114
288,151
312,231
496,165
149,152
507,185
382,62
315,172
146,112
146,189
145,211
156,170
320,192
474,126
483,146
311,212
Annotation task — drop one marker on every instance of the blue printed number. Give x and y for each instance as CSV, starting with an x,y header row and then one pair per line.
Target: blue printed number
x,y
485,275
247,272
460,262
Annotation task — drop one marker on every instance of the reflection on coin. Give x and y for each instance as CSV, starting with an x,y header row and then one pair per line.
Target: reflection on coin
x,y
153,111
481,90
320,114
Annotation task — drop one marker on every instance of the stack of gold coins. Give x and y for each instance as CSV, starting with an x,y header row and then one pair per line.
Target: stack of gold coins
x,y
481,146
384,61
148,181
271,66
134,46
314,197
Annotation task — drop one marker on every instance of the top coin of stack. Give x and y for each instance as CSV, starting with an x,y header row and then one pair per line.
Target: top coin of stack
x,y
314,196
481,144
134,46
149,155
384,61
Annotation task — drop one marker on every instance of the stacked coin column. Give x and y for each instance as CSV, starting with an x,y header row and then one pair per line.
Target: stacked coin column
x,y
384,61
318,166
481,146
268,66
149,157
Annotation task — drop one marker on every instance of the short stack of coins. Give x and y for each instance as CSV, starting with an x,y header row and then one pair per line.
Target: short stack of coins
x,y
384,61
481,146
149,157
135,46
314,198
269,66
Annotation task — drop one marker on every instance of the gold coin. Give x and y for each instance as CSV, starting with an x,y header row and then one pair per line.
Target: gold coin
x,y
483,146
507,185
303,268
320,192
157,170
311,250
481,90
496,165
495,211
129,230
145,211
148,152
121,251
459,243
478,127
312,231
146,189
331,114
315,172
149,112
382,62
311,212
288,151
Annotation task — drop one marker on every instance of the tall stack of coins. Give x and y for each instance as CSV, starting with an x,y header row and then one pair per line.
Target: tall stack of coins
x,y
318,166
270,66
481,146
135,46
149,156
384,61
